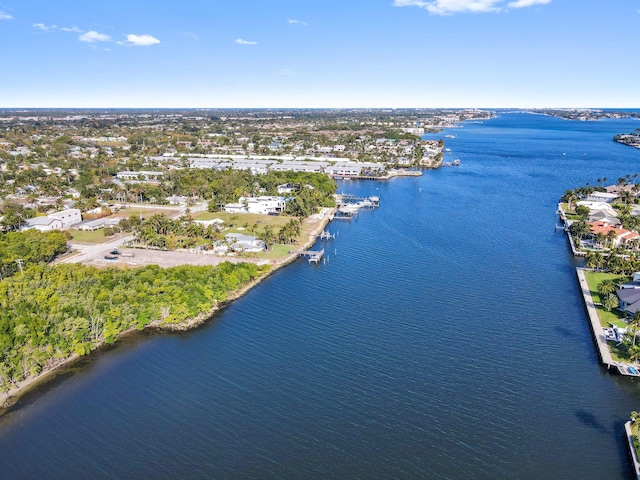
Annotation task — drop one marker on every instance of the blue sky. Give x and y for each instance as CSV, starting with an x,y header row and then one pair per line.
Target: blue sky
x,y
312,53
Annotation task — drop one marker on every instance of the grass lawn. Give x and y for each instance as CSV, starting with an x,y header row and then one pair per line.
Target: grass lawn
x,y
593,280
277,252
246,220
634,435
96,236
569,215
619,354
144,212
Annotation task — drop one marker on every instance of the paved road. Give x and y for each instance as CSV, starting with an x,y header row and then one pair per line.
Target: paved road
x,y
89,252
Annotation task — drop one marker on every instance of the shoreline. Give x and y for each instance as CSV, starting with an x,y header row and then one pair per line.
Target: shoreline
x,y
603,349
632,450
11,398
604,352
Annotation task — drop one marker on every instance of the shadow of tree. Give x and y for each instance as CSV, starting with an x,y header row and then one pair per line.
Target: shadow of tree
x,y
591,421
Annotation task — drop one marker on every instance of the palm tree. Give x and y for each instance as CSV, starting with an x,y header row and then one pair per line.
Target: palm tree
x,y
634,353
634,322
580,229
194,230
610,302
626,197
612,235
570,197
606,287
594,260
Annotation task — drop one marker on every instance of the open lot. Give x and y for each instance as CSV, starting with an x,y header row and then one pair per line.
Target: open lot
x,y
92,247
165,259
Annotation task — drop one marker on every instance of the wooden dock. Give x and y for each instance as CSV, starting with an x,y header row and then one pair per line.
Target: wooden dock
x,y
313,256
345,214
326,235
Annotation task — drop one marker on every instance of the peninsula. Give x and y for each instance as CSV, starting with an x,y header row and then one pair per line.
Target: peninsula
x,y
632,139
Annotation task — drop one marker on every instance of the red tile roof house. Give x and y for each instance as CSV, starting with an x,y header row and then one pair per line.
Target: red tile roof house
x,y
622,236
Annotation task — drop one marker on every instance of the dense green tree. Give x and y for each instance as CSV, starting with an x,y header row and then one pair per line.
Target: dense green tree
x,y
49,313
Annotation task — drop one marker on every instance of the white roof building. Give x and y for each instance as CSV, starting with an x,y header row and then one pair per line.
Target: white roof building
x,y
599,206
43,224
263,205
244,243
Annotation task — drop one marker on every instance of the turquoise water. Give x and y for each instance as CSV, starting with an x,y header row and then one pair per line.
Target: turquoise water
x,y
444,339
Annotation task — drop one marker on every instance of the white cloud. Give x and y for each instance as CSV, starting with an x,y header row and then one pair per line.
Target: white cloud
x,y
43,27
92,36
245,42
191,34
5,16
527,3
297,22
141,40
52,28
444,7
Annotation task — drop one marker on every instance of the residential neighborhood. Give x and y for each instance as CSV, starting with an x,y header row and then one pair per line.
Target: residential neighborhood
x,y
60,170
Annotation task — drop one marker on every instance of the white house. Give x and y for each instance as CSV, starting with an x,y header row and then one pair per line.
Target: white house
x,y
602,197
68,217
177,200
244,243
92,225
599,206
236,208
287,188
44,224
263,205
